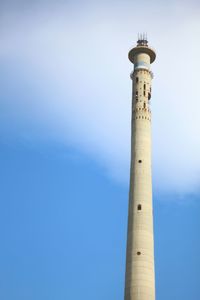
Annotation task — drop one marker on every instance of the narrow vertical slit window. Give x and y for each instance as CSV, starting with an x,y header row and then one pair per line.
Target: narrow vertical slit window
x,y
139,207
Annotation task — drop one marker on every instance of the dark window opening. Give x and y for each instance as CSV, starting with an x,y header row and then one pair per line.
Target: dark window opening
x,y
138,253
137,79
144,86
149,96
139,161
144,105
144,93
139,207
136,93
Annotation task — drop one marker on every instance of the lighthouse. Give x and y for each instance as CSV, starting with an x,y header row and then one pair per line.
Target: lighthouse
x,y
140,275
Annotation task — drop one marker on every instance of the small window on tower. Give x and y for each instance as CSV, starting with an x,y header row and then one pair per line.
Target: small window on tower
x,y
144,93
137,79
144,86
139,207
140,161
138,253
136,93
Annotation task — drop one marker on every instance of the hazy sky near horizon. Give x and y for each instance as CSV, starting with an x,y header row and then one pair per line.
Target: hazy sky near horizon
x,y
66,67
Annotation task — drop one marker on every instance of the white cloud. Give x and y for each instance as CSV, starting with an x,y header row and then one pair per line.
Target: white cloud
x,y
76,63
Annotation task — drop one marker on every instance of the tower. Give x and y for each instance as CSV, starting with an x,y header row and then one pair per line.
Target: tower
x,y
140,278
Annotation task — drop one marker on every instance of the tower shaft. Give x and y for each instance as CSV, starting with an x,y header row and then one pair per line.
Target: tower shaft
x,y
140,278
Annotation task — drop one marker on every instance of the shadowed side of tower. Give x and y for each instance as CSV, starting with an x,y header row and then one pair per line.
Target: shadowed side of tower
x,y
140,278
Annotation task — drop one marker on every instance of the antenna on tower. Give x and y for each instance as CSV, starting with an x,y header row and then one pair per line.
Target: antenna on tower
x,y
142,39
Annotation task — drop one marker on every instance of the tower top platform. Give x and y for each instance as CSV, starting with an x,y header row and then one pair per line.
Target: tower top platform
x,y
142,47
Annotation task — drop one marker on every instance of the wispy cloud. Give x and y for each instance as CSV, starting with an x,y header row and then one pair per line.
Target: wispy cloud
x,y
65,73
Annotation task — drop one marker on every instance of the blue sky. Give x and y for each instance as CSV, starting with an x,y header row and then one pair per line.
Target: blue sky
x,y
65,103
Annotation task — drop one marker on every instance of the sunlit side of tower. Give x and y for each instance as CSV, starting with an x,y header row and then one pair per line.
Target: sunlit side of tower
x,y
140,278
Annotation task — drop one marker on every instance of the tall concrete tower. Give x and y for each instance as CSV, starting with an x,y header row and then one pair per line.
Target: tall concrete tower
x,y
140,279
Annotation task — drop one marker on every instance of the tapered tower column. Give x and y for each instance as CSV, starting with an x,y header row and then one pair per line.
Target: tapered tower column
x,y
140,279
